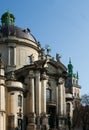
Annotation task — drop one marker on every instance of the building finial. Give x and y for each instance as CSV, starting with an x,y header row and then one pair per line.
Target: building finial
x,y
77,75
70,68
47,48
7,18
69,60
58,57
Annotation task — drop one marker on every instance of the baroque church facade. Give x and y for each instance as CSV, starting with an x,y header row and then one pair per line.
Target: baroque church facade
x,y
36,91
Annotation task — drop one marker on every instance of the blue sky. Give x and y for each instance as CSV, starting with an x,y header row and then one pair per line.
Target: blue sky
x,y
61,24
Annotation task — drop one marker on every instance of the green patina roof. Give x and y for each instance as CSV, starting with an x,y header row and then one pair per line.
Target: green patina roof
x,y
70,70
7,18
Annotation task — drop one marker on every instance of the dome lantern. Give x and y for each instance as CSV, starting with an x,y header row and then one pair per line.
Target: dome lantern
x,y
7,19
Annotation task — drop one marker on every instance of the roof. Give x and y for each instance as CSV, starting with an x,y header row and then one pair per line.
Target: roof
x,y
12,30
8,28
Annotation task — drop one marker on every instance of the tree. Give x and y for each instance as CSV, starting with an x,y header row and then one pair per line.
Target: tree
x,y
85,99
81,114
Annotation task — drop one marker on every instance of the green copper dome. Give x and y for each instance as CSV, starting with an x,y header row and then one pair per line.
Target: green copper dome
x,y
70,70
7,19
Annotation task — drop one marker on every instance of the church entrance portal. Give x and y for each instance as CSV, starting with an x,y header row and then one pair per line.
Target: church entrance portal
x,y
52,116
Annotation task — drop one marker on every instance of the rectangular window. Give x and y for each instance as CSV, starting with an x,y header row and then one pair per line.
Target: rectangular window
x,y
48,94
11,55
68,107
19,100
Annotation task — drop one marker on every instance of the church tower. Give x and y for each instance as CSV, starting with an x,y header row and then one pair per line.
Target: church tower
x,y
72,90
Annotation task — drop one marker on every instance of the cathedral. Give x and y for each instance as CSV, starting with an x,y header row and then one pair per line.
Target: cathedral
x,y
37,92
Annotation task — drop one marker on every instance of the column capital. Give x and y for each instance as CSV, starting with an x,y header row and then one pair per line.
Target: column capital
x,y
44,76
60,81
31,74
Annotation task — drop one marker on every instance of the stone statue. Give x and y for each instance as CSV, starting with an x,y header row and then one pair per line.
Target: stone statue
x,y
58,57
31,58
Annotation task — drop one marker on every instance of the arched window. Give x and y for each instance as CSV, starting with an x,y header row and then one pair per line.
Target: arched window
x,y
19,100
68,107
48,94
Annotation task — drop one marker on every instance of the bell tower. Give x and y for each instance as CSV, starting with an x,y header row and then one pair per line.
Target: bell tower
x,y
72,90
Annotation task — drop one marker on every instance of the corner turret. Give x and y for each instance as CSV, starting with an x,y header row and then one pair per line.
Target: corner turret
x,y
14,100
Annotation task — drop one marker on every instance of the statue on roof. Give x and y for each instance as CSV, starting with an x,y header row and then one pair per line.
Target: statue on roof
x,y
47,48
58,57
70,67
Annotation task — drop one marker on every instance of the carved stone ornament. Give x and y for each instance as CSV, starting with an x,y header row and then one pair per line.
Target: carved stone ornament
x,y
60,81
44,76
31,74
11,75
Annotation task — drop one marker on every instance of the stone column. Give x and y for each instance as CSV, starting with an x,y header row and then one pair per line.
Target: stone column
x,y
43,92
38,100
61,102
31,87
31,115
61,97
57,98
44,118
38,93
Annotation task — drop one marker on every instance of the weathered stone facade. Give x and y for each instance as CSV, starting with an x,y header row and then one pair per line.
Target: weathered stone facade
x,y
33,91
